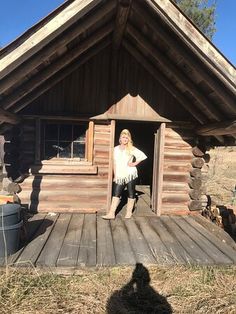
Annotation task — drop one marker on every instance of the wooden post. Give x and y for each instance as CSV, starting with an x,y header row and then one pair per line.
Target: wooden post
x,y
90,141
110,170
158,162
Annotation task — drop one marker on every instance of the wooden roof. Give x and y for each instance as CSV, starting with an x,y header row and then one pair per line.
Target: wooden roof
x,y
154,32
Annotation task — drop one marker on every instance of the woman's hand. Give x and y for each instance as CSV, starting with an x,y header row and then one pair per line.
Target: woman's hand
x,y
132,164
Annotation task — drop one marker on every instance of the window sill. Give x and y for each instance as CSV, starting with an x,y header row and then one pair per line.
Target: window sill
x,y
66,167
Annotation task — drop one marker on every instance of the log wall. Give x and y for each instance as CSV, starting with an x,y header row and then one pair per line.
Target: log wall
x,y
182,176
67,192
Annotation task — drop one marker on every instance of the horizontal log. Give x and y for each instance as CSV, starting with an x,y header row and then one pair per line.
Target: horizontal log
x,y
196,173
175,198
195,205
174,167
64,185
64,169
177,156
198,151
197,162
175,186
176,177
195,194
195,183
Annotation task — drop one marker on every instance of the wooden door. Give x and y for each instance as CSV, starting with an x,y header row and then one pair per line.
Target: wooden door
x,y
158,161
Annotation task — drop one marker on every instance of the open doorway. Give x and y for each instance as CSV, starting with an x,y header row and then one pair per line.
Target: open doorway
x,y
143,138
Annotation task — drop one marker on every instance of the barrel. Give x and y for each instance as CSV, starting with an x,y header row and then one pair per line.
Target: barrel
x,y
10,238
10,214
10,228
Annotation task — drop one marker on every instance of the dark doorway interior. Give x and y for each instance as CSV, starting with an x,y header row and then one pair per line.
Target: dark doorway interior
x,y
143,138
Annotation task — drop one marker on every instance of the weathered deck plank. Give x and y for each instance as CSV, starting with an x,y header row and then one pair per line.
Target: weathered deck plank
x,y
122,247
176,252
215,230
210,249
155,243
34,248
105,247
220,244
139,245
48,256
70,248
70,241
87,251
197,254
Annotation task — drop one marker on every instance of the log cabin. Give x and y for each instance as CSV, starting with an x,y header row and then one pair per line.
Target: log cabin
x,y
73,81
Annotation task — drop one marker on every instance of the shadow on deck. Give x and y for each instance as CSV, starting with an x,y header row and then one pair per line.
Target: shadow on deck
x,y
86,240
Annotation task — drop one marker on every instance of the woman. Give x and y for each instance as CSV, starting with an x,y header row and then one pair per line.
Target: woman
x,y
126,158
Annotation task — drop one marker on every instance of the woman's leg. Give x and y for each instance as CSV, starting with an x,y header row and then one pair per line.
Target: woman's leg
x,y
131,198
117,191
131,188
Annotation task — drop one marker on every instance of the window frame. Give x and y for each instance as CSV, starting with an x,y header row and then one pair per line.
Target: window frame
x,y
40,142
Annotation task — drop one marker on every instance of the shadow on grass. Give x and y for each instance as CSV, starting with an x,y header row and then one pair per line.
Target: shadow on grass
x,y
137,296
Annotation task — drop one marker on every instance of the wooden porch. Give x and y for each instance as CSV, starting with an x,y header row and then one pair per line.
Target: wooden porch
x,y
70,241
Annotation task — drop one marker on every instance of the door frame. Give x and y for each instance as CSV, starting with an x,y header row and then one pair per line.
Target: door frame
x,y
158,165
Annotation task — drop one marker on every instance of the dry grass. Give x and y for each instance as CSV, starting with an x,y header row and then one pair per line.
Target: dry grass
x,y
110,290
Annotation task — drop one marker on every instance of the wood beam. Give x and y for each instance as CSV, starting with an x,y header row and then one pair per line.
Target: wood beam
x,y
165,82
60,42
49,83
8,117
219,128
122,15
72,13
53,68
202,102
219,90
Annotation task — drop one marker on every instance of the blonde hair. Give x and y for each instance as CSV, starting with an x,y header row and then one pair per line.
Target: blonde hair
x,y
127,133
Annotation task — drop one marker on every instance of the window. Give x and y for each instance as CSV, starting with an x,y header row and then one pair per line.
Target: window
x,y
65,140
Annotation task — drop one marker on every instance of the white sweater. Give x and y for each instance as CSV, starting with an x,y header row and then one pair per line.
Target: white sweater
x,y
123,172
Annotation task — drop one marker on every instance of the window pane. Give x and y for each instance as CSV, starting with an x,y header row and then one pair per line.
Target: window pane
x,y
79,133
79,150
51,132
51,149
65,133
64,150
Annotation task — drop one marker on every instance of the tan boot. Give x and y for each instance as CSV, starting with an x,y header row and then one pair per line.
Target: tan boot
x,y
114,204
130,207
